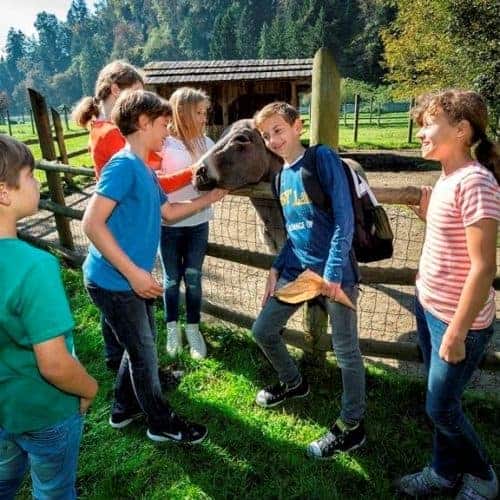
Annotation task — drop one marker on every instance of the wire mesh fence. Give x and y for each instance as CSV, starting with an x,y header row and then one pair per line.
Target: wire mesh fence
x,y
384,311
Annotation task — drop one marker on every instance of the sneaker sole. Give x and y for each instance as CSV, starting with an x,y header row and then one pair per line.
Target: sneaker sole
x,y
164,439
298,396
352,448
123,423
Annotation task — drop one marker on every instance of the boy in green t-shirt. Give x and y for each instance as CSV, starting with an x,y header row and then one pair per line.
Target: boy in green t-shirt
x,y
44,390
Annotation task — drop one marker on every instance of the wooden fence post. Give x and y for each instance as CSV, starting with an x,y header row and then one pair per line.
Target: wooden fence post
x,y
324,129
371,109
379,111
66,123
8,122
32,122
44,131
325,100
410,120
357,102
56,120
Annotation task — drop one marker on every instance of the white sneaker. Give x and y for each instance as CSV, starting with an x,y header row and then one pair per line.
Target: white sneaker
x,y
174,339
198,348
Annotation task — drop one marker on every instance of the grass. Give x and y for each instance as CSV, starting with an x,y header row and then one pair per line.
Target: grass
x,y
250,452
391,134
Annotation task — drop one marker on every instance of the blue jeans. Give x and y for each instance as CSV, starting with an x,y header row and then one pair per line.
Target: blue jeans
x,y
182,251
137,387
267,333
456,447
113,351
51,454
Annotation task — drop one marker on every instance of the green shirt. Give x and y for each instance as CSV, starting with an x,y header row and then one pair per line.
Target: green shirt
x,y
33,309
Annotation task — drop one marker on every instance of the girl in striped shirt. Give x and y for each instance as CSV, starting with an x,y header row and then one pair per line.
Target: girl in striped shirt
x,y
455,302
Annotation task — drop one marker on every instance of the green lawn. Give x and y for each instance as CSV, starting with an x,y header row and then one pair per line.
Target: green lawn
x,y
250,452
391,134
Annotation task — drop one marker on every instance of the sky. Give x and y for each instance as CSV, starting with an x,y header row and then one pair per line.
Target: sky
x,y
21,14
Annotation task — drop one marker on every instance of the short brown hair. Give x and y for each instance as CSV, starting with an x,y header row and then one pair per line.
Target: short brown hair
x,y
14,156
132,104
283,109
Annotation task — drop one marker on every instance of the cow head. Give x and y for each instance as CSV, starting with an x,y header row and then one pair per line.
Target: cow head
x,y
240,157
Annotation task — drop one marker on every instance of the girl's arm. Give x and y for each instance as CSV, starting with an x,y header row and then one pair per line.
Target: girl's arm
x,y
62,370
94,224
172,212
481,246
175,181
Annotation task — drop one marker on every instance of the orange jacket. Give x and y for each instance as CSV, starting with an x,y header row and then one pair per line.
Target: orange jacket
x,y
105,139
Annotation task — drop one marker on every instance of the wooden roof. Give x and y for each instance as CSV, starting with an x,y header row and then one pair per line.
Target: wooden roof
x,y
218,71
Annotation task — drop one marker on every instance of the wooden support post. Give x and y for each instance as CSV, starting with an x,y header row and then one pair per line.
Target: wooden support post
x,y
357,102
8,122
344,113
32,122
63,154
65,111
371,109
294,100
42,123
378,114
325,100
324,129
410,120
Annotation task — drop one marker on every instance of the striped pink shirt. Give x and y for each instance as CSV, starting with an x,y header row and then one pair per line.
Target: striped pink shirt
x,y
458,200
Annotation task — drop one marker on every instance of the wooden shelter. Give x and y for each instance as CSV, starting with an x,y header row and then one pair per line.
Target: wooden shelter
x,y
237,88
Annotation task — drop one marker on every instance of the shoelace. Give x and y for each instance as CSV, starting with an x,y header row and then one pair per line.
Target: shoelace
x,y
331,440
424,481
195,340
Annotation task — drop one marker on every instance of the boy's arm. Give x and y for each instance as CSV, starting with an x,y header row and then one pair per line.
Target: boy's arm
x,y
172,212
94,225
62,370
334,181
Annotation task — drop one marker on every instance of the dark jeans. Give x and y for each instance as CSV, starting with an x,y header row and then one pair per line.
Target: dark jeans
x,y
182,251
113,351
267,333
131,319
456,447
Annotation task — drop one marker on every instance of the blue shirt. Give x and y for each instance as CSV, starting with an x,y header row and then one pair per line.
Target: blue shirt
x,y
134,222
317,240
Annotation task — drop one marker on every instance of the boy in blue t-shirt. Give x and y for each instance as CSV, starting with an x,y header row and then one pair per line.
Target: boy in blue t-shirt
x,y
123,222
44,390
320,241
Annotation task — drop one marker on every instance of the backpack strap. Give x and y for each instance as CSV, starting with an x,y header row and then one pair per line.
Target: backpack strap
x,y
312,182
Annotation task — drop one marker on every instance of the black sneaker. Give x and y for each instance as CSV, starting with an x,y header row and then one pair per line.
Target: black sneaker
x,y
273,395
121,420
178,430
338,438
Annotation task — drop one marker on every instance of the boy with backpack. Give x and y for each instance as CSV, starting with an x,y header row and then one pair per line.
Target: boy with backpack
x,y
44,390
319,240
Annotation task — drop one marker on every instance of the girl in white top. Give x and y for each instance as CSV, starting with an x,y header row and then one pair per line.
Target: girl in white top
x,y
184,243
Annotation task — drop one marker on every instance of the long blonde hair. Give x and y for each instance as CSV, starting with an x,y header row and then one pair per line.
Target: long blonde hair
x,y
184,126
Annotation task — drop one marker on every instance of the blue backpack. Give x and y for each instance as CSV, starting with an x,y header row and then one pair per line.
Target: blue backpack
x,y
373,237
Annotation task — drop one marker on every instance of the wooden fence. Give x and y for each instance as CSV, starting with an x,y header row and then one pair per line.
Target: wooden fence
x,y
314,339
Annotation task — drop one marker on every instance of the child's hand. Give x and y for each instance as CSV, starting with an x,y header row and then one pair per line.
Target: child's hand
x,y
423,205
452,348
217,194
272,279
330,289
85,405
144,284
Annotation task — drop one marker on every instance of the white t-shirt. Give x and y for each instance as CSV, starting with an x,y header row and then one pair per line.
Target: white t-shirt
x,y
176,157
